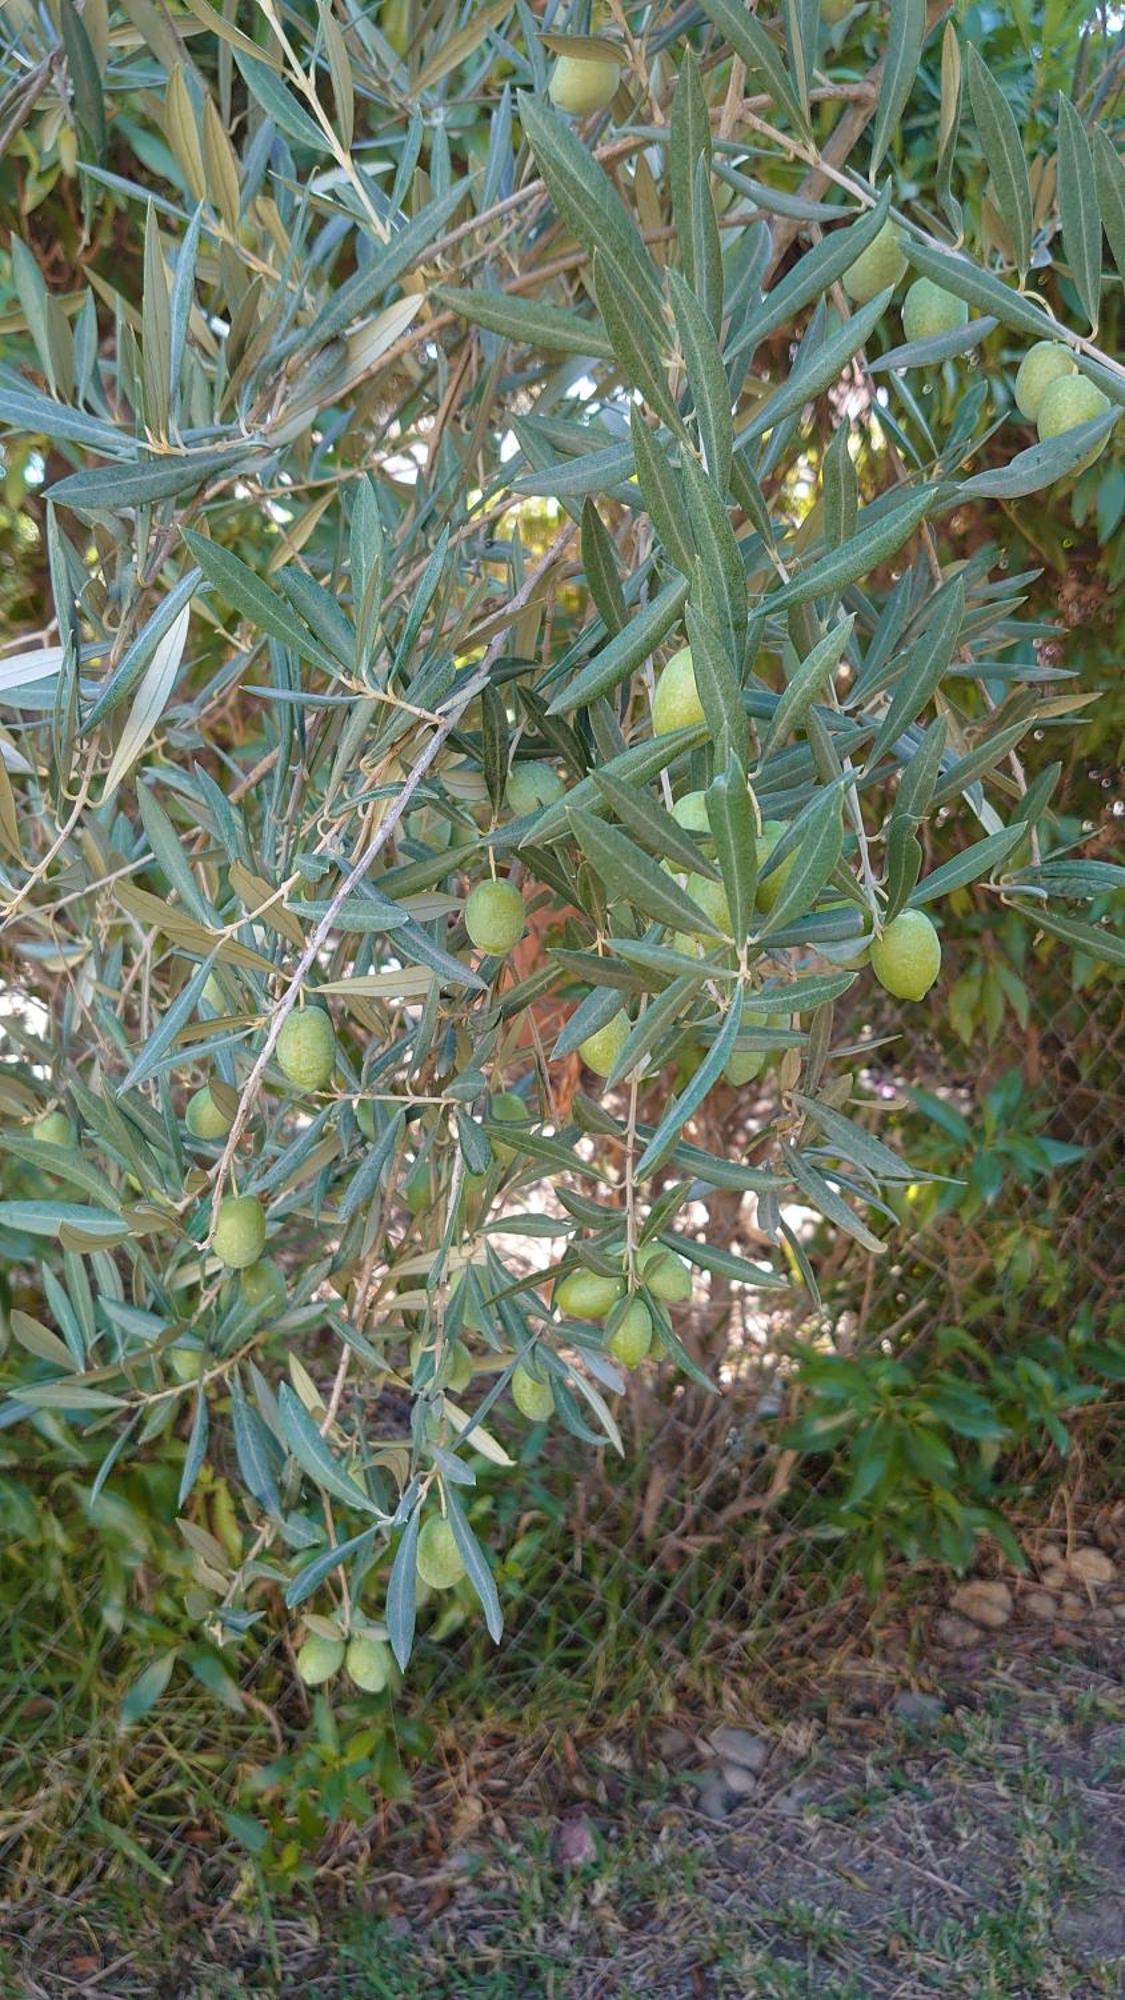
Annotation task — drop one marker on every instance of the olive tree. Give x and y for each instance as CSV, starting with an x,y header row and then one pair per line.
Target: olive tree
x,y
508,653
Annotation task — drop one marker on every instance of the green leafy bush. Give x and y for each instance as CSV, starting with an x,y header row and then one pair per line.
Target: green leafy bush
x,y
385,458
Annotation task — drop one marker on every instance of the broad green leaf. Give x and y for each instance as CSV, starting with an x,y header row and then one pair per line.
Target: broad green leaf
x,y
599,561
1078,208
196,1446
719,579
586,197
689,151
856,1144
637,355
279,103
841,490
761,55
246,592
824,1197
983,289
402,1591
1002,145
1101,944
977,860
532,322
85,79
928,661
309,1579
110,488
731,815
352,300
936,347
667,1132
662,488
811,277
149,703
718,686
662,1014
476,1566
1109,179
708,380
314,1455
252,1450
147,1689
873,544
817,843
656,829
906,31
1041,464
623,653
630,876
807,685
949,124
824,367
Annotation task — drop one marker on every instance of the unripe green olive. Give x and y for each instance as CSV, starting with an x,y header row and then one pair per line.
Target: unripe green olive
x,y
532,785
259,1288
906,957
880,265
667,1276
438,1558
367,1664
928,309
676,703
205,1117
630,1339
55,1129
1066,402
240,1232
1041,365
306,1048
507,1109
770,886
587,1294
600,1050
186,1363
456,1370
494,917
534,1400
693,814
319,1659
581,84
712,899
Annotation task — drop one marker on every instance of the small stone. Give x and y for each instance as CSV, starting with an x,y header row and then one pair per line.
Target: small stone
x,y
1119,1612
918,1711
1092,1567
574,1844
1071,1605
955,1632
987,1604
739,1780
672,1745
741,1746
715,1801
1039,1604
1051,1553
1055,1577
792,1801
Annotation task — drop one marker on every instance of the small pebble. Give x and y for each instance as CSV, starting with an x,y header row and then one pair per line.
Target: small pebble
x,y
987,1604
1039,1604
741,1746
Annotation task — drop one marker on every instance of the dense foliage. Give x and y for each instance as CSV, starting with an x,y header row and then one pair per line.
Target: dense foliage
x,y
523,596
